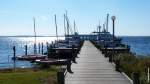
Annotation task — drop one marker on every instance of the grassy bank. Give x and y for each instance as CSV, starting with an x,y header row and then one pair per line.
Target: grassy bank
x,y
131,63
28,76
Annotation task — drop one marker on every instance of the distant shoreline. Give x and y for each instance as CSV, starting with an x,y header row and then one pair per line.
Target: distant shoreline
x,y
33,36
61,36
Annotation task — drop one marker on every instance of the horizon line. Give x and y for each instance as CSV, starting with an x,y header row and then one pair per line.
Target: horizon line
x,y
55,35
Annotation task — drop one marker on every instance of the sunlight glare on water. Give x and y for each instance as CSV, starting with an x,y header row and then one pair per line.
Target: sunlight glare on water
x,y
7,44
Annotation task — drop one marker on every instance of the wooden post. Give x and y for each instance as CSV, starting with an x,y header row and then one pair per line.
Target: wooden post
x,y
52,44
55,44
35,50
60,77
110,58
14,52
118,65
105,50
39,48
26,48
47,46
136,79
73,54
148,80
42,48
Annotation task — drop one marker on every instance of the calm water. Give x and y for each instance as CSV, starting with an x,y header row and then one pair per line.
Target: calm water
x,y
140,45
6,52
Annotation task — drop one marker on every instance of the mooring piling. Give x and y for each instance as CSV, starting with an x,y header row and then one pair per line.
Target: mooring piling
x,y
42,48
26,50
14,56
47,45
39,47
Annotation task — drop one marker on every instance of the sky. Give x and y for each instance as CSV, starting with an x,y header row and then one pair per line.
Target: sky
x,y
16,16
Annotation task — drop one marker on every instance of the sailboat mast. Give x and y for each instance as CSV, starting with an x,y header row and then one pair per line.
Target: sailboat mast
x,y
99,27
65,24
104,30
74,27
35,50
107,22
56,30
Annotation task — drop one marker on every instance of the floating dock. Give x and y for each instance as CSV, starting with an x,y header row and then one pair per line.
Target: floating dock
x,y
93,68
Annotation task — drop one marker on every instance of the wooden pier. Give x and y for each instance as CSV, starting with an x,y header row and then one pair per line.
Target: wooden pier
x,y
93,68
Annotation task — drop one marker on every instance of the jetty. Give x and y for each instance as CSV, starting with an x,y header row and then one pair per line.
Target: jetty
x,y
84,58
93,68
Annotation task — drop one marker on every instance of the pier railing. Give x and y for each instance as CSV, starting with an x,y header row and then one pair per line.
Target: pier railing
x,y
117,62
63,72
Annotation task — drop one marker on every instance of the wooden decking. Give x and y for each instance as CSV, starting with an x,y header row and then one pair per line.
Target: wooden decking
x,y
93,68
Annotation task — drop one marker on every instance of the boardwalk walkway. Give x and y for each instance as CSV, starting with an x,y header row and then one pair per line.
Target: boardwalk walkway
x,y
93,68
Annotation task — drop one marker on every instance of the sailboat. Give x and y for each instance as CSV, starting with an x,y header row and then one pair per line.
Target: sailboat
x,y
54,59
35,56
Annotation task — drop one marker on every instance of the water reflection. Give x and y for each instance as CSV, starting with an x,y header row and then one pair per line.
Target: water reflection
x,y
6,44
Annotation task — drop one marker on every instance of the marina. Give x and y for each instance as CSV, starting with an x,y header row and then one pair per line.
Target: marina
x,y
74,42
81,59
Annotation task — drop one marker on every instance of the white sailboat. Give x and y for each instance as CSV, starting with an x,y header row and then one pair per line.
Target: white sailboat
x,y
35,56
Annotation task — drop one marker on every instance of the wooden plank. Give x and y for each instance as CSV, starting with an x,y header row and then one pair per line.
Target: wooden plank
x,y
93,68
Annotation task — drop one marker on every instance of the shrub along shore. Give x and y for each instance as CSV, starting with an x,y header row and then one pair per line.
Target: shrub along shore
x,y
130,64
